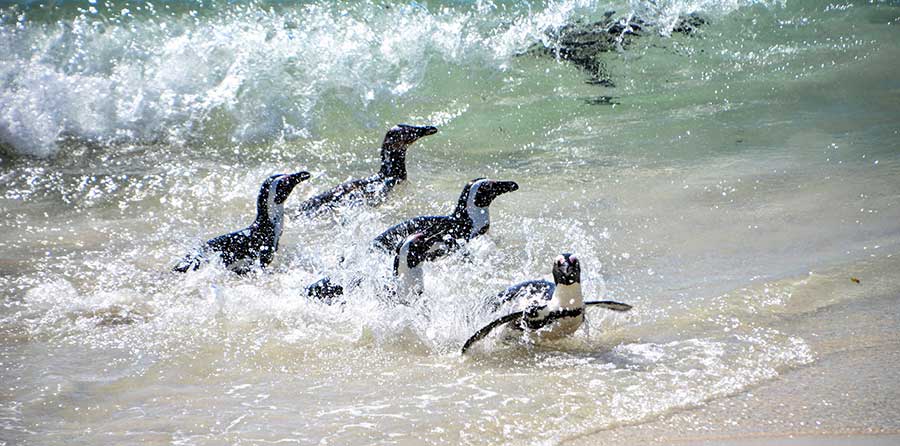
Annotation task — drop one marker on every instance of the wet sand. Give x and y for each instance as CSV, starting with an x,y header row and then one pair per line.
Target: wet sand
x,y
848,396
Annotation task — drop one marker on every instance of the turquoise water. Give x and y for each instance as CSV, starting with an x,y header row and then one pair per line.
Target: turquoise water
x,y
727,186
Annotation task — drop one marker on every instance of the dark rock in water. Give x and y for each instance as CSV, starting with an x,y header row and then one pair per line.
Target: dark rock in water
x,y
583,43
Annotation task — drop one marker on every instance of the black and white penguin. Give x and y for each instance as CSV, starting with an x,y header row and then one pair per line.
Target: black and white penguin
x,y
546,310
470,219
373,189
255,245
408,278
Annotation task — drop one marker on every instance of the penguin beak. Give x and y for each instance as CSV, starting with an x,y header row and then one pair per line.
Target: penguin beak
x,y
296,178
497,188
566,269
427,130
417,132
502,187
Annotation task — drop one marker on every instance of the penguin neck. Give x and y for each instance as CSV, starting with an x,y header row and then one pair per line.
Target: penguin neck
x,y
568,296
479,217
393,162
270,217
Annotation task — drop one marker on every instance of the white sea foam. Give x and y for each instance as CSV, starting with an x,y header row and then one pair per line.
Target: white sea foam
x,y
248,73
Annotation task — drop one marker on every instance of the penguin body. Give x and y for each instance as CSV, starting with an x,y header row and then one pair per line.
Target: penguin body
x,y
256,244
407,282
374,188
470,219
552,310
546,310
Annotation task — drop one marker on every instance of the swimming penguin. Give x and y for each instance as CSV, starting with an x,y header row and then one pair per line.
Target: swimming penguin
x,y
547,310
469,220
256,244
408,279
374,188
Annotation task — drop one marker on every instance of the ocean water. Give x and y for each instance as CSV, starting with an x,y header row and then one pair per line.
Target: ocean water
x,y
740,186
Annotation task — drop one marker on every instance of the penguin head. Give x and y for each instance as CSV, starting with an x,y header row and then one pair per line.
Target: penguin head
x,y
277,188
400,136
411,253
482,191
566,269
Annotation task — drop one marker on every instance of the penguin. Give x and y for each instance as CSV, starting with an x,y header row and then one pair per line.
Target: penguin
x,y
547,310
256,244
372,189
408,278
469,220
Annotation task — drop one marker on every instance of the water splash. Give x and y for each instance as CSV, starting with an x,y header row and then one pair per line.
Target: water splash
x,y
243,73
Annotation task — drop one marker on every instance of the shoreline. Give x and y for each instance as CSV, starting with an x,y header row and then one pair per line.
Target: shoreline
x,y
847,396
796,439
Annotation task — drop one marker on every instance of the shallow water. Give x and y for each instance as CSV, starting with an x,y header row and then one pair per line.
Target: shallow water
x,y
736,182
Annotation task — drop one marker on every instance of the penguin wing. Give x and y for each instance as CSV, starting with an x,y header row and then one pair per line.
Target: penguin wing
x,y
480,334
609,305
522,290
391,239
231,247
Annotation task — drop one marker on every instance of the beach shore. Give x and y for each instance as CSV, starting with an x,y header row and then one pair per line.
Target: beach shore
x,y
848,396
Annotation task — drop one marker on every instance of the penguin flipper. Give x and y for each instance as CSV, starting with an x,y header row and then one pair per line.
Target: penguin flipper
x,y
480,334
609,305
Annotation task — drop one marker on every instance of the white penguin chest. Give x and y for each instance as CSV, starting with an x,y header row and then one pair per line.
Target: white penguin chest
x,y
480,219
276,216
275,211
567,297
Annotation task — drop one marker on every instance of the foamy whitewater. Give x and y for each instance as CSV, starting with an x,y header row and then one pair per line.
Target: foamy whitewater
x,y
739,185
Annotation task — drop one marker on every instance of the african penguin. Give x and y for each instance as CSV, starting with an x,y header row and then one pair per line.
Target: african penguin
x,y
374,188
470,219
408,279
256,244
546,310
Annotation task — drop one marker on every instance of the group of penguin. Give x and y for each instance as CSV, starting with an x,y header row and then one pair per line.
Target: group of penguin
x,y
543,310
